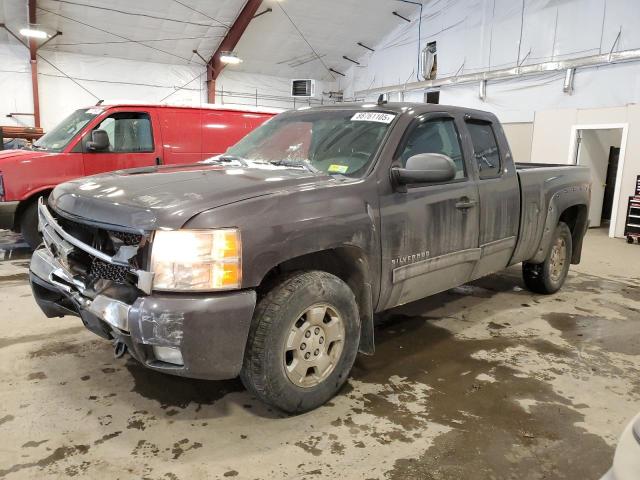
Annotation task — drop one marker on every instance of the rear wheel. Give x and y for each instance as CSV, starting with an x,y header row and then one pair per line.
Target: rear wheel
x,y
547,277
29,225
303,342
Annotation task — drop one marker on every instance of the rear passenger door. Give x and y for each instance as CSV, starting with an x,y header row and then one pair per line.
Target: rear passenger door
x,y
132,143
499,192
430,231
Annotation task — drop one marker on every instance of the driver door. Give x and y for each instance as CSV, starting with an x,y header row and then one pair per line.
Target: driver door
x,y
430,232
133,142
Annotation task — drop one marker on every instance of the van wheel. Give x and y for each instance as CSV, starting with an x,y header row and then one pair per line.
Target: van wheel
x,y
29,225
303,341
547,277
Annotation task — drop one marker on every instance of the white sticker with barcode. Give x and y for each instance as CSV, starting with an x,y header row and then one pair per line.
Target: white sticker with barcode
x,y
373,117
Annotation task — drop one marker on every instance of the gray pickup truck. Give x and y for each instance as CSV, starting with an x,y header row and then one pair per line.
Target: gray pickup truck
x,y
270,261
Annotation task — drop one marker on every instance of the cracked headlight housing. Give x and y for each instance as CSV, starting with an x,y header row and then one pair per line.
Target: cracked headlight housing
x,y
196,260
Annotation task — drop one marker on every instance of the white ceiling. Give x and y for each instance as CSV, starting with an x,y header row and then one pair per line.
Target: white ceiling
x,y
168,31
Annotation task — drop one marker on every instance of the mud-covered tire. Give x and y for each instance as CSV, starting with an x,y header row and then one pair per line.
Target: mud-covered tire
x,y
29,225
266,370
549,276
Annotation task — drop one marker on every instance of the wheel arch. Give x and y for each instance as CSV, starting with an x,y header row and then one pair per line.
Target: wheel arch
x,y
349,263
25,203
575,214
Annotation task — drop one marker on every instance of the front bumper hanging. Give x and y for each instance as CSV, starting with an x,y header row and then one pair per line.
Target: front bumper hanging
x,y
208,330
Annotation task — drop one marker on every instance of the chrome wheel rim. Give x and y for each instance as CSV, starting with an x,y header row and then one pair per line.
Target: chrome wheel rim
x,y
313,346
557,259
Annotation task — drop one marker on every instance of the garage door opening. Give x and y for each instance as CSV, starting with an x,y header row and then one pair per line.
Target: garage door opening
x,y
600,147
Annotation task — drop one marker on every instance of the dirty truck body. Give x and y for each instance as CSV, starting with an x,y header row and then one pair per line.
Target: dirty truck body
x,y
310,225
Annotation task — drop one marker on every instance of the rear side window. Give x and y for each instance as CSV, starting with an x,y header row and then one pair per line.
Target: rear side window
x,y
485,149
435,136
128,132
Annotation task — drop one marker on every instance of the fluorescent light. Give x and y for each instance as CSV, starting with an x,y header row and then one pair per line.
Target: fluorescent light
x,y
30,32
230,57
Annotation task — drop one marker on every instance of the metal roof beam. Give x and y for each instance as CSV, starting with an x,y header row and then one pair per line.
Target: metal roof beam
x,y
229,42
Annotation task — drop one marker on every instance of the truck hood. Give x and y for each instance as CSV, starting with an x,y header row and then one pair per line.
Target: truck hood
x,y
167,197
12,156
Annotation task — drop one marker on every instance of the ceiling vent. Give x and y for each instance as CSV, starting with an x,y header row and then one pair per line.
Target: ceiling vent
x,y
303,88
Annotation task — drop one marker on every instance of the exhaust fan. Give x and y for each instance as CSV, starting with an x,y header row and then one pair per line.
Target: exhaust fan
x,y
303,88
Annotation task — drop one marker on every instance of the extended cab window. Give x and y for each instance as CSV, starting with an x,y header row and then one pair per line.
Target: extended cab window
x,y
435,136
128,132
485,149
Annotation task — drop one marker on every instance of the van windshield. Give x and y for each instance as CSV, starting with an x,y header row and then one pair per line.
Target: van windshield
x,y
58,138
332,141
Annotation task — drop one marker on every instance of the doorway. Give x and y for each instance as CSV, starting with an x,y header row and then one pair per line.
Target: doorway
x,y
601,148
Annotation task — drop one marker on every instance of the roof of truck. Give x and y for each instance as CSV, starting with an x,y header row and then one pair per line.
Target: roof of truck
x,y
412,108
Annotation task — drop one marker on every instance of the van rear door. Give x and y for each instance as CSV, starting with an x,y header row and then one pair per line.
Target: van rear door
x,y
134,141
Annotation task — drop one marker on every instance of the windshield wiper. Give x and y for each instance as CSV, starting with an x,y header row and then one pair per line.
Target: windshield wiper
x,y
295,163
229,158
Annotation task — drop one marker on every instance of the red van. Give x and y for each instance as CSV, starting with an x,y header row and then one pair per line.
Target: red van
x,y
113,137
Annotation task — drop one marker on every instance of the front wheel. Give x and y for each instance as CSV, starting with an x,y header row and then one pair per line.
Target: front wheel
x,y
303,342
29,225
547,277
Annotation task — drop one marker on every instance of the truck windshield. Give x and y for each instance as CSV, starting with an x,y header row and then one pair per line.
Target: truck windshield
x,y
58,138
332,141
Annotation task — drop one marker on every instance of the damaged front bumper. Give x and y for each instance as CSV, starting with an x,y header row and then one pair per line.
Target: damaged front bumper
x,y
207,331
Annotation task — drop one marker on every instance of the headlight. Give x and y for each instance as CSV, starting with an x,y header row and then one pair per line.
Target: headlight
x,y
196,260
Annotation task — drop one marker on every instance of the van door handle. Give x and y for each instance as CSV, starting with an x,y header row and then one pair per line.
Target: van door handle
x,y
465,203
158,161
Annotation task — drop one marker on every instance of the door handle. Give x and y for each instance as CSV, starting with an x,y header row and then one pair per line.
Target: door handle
x,y
465,203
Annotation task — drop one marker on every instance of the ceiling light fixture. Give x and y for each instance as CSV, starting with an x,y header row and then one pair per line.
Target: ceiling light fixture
x,y
230,58
34,33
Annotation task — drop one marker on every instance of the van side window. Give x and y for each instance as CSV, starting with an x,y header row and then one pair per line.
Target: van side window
x,y
128,132
436,136
485,149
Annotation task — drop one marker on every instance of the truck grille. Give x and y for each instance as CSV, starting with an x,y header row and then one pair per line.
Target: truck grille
x,y
106,271
107,241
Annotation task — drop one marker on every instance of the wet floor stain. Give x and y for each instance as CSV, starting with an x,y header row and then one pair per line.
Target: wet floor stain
x,y
490,435
33,443
182,446
9,341
60,453
6,418
178,392
14,279
593,330
106,437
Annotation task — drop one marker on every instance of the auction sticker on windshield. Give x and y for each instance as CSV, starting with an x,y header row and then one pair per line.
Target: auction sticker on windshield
x,y
373,117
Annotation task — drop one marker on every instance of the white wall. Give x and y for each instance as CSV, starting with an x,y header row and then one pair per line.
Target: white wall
x,y
114,79
241,88
519,136
15,84
480,35
552,143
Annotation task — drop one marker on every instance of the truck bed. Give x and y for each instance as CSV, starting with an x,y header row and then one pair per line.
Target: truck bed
x,y
545,191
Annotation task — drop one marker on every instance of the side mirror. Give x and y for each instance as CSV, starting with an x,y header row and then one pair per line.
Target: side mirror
x,y
99,141
425,168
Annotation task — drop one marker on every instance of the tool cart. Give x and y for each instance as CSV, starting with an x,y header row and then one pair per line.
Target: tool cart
x,y
632,223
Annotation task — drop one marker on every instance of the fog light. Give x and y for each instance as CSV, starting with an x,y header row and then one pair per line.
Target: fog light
x,y
168,354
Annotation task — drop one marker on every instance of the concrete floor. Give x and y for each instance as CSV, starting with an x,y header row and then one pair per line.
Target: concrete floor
x,y
486,381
